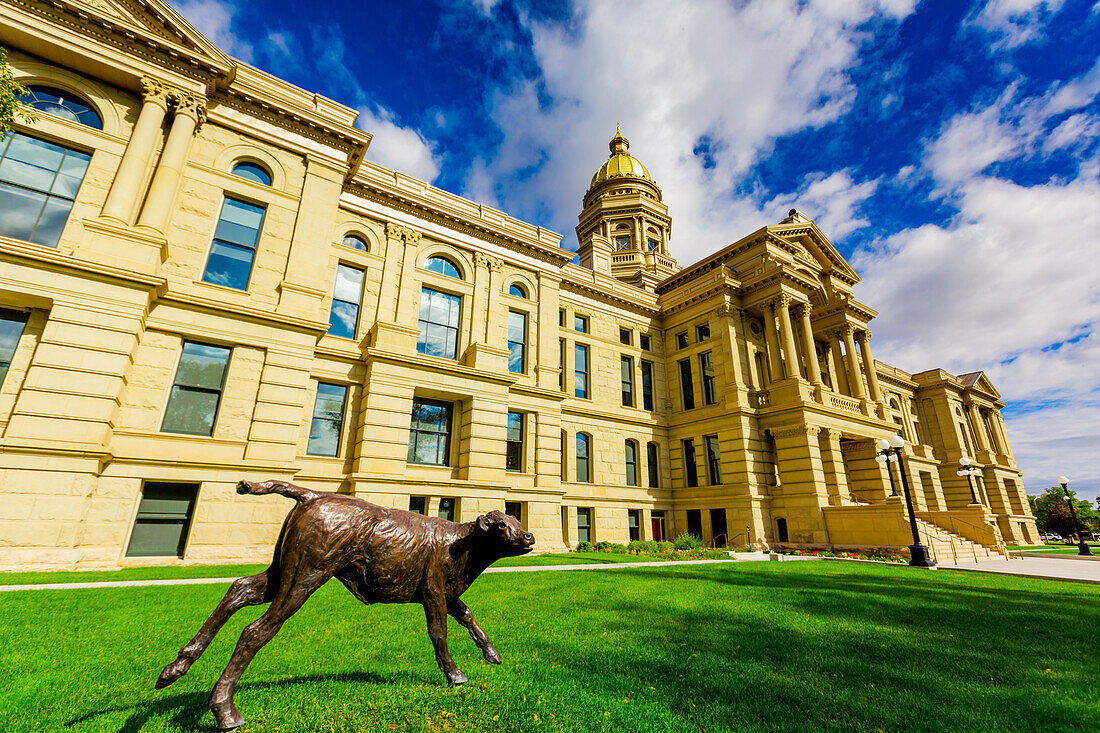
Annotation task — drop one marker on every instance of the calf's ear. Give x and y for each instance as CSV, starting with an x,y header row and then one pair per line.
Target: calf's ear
x,y
483,523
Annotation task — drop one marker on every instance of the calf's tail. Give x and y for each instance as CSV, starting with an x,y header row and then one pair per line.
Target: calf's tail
x,y
297,493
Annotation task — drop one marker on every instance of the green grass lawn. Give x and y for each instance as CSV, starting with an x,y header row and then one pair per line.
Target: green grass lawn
x,y
793,646
1052,549
235,571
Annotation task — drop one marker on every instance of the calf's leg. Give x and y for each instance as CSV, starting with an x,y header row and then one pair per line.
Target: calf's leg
x,y
249,591
294,588
435,609
462,613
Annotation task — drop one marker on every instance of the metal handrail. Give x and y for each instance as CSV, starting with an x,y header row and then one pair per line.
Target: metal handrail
x,y
1000,543
714,541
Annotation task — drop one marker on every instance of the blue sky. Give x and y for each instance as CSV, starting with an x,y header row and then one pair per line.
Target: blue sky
x,y
950,149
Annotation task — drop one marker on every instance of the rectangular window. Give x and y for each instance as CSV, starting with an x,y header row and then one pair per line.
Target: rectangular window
x,y
627,373
583,475
714,460
38,183
430,432
513,456
447,509
517,341
626,336
584,525
11,329
706,369
343,319
682,340
418,504
561,318
514,509
634,524
690,471
580,324
438,324
561,364
164,515
643,341
234,245
695,522
580,370
197,390
328,419
653,245
631,463
702,333
901,426
647,385
687,388
654,467
622,244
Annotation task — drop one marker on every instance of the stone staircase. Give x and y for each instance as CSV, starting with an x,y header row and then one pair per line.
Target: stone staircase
x,y
948,547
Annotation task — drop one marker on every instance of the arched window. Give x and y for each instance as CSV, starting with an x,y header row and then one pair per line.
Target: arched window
x,y
631,463
63,104
355,242
252,172
517,290
583,473
443,266
894,405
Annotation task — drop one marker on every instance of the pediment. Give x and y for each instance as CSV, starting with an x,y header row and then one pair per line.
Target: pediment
x,y
159,20
809,243
979,382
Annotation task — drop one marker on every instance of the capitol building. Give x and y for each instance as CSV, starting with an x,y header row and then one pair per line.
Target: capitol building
x,y
204,278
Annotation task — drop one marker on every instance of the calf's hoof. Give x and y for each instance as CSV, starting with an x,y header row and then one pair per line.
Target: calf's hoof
x,y
492,656
227,716
173,672
456,678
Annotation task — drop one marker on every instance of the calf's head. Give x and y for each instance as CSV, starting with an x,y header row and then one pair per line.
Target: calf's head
x,y
503,534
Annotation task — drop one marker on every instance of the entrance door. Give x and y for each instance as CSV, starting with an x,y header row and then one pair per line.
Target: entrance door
x,y
658,522
695,522
164,515
718,527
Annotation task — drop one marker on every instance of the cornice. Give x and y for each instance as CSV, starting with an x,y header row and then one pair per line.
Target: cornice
x,y
591,290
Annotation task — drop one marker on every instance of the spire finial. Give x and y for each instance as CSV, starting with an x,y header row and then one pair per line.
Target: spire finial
x,y
619,144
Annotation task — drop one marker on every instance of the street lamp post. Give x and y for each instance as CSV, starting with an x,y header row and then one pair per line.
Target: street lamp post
x,y
965,469
918,553
886,455
1082,548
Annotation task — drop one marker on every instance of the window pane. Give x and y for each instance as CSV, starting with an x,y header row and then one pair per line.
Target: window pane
x,y
324,437
252,172
330,401
228,265
442,266
73,168
357,243
202,366
19,211
11,328
349,284
515,358
343,319
190,412
517,326
515,426
517,291
239,223
31,162
52,222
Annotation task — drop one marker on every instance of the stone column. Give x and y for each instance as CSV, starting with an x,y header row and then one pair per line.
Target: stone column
x,y
999,424
407,307
190,111
979,427
783,304
832,461
771,342
808,345
869,366
135,161
736,377
836,366
855,379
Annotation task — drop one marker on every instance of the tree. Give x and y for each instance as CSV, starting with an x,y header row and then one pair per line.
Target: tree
x,y
1052,513
10,92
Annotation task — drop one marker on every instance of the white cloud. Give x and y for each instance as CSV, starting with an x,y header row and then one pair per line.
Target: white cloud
x,y
401,148
1015,22
672,82
214,19
834,200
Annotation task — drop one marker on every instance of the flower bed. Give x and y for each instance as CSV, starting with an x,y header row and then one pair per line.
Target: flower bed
x,y
875,555
680,550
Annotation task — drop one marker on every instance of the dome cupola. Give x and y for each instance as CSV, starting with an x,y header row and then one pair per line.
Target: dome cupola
x,y
620,162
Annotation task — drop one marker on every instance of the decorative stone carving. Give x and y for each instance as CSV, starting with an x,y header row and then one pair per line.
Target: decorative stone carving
x,y
402,233
189,105
795,431
804,309
155,91
782,301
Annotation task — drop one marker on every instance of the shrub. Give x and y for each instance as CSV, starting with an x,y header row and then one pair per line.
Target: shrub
x,y
664,546
604,546
688,541
583,547
637,547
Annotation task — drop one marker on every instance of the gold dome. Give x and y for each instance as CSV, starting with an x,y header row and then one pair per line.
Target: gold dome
x,y
620,163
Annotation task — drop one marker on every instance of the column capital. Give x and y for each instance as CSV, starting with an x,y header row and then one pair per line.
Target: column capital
x,y
863,336
154,91
782,301
804,309
403,233
493,264
846,330
190,105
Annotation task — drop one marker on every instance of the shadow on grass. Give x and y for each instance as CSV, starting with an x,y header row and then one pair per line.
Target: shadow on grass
x,y
188,710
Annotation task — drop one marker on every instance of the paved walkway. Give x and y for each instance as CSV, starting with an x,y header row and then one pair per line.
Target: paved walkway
x,y
520,569
1054,567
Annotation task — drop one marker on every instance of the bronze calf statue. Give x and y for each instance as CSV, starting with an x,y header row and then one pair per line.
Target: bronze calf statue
x,y
382,556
